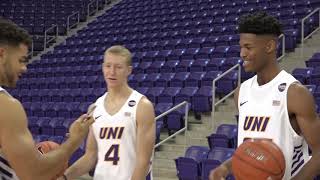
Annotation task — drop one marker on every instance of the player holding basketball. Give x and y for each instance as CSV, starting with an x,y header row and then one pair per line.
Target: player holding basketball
x,y
121,141
273,104
19,159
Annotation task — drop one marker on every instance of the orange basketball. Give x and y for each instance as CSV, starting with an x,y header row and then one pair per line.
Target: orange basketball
x,y
258,159
47,146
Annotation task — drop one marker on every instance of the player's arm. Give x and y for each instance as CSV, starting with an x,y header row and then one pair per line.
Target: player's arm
x,y
87,161
301,103
19,147
145,138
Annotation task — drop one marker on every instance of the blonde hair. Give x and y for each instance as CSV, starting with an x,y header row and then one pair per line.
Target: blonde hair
x,y
120,51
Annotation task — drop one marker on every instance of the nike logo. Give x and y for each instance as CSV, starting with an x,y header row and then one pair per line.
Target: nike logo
x,y
97,117
242,103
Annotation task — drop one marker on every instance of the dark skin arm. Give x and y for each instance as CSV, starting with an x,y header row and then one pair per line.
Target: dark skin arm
x,y
301,105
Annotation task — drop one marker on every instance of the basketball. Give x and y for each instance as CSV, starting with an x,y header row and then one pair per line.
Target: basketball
x,y
258,159
47,146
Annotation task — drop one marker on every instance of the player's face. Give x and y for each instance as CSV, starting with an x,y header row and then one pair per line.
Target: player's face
x,y
13,62
115,70
252,52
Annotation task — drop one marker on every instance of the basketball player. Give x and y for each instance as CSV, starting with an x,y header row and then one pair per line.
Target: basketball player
x,y
273,104
19,159
120,142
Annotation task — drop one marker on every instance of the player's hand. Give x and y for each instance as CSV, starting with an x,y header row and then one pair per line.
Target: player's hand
x,y
80,127
219,173
60,178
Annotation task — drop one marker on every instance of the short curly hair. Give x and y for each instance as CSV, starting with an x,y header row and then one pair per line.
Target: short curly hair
x,y
260,23
13,35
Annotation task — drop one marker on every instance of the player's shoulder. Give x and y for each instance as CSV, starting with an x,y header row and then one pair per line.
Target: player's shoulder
x,y
8,102
145,102
11,109
297,89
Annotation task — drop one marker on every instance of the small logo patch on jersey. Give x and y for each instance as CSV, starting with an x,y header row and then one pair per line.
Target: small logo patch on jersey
x,y
132,103
282,87
275,103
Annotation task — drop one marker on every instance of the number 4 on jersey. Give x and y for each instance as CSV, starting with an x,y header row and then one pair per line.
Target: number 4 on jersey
x,y
113,154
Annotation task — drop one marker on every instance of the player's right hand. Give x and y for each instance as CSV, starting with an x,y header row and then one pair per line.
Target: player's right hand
x,y
79,128
219,173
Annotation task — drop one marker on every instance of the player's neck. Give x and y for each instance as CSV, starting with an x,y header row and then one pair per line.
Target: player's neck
x,y
267,74
119,92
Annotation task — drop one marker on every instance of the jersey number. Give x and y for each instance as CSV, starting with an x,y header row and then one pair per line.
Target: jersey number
x,y
113,154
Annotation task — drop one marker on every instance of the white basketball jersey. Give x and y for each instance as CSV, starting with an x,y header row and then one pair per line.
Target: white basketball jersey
x,y
6,172
263,113
116,139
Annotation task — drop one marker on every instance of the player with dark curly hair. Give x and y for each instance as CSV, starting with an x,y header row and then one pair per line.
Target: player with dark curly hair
x,y
273,104
19,159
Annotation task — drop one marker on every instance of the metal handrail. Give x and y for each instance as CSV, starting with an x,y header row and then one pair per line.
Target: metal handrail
x,y
52,37
283,47
94,11
225,97
75,24
184,103
302,25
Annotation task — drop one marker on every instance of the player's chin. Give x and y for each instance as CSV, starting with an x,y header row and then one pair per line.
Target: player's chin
x,y
249,69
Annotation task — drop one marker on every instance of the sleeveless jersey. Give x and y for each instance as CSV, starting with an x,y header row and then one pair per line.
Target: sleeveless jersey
x,y
6,172
263,113
116,139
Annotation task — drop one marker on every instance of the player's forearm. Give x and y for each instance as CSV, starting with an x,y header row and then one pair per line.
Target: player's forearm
x,y
141,170
52,163
310,169
228,165
82,166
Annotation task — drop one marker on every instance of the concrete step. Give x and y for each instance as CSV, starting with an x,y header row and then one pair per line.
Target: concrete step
x,y
172,147
163,178
164,163
160,173
168,154
198,127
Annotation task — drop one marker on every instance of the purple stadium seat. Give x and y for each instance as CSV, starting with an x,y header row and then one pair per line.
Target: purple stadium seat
x,y
220,51
227,83
302,74
179,79
142,90
202,100
315,76
215,64
205,52
153,93
168,95
194,79
155,66
164,79
150,80
188,167
199,65
184,65
137,80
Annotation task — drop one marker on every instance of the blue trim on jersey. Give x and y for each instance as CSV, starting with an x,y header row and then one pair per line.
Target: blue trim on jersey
x,y
297,167
4,161
5,172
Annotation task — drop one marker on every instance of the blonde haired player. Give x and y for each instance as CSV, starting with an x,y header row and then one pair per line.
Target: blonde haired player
x,y
120,142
